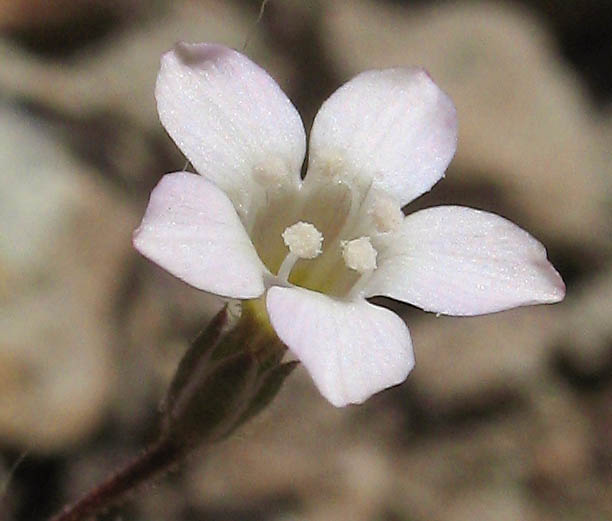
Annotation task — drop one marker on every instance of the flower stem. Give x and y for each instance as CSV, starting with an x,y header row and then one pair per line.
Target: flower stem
x,y
229,374
154,460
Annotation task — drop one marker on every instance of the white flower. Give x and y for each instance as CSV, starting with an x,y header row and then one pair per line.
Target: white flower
x,y
315,249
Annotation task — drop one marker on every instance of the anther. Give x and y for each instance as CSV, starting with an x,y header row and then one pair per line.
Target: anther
x,y
270,172
359,255
303,240
386,213
335,166
329,164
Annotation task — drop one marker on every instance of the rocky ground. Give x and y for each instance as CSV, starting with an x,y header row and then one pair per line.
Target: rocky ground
x,y
506,417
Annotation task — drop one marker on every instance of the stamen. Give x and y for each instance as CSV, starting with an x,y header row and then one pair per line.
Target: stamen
x,y
359,255
386,213
330,164
335,166
304,242
271,172
287,266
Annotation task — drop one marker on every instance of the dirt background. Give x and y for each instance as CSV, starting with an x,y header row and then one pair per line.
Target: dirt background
x,y
506,417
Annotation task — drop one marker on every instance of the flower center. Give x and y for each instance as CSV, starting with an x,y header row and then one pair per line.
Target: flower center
x,y
288,231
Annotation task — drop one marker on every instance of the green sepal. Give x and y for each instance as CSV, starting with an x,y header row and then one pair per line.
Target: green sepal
x,y
208,408
231,372
196,357
270,384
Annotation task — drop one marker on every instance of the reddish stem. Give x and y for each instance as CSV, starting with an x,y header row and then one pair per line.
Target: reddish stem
x,y
156,459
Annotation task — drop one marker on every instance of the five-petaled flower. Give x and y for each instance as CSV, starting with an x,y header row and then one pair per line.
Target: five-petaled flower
x,y
314,249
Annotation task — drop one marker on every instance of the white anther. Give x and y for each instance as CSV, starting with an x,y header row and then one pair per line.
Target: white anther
x,y
329,164
335,166
359,254
270,172
386,213
303,240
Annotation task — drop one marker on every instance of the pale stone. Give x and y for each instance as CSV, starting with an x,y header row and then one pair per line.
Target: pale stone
x,y
63,240
120,77
525,124
464,359
25,14
488,504
587,330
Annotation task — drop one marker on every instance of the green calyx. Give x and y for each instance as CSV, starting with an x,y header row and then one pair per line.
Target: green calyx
x,y
231,372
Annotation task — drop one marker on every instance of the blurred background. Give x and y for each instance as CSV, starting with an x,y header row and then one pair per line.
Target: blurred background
x,y
505,418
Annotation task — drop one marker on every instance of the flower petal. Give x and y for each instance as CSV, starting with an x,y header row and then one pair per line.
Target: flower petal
x,y
460,261
229,117
351,349
393,126
192,230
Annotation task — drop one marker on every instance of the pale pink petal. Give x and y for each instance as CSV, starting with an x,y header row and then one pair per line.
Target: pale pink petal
x,y
393,126
228,116
191,229
351,349
460,261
